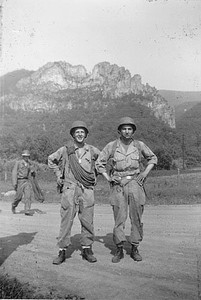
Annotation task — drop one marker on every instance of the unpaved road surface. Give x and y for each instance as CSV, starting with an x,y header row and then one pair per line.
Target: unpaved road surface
x,y
171,250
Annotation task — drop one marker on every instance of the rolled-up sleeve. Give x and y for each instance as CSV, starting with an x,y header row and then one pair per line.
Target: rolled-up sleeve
x,y
148,154
54,161
103,158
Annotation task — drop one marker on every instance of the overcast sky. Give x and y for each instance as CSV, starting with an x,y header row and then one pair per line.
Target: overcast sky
x,y
159,39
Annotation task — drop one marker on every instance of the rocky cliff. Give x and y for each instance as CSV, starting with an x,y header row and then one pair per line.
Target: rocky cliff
x,y
49,88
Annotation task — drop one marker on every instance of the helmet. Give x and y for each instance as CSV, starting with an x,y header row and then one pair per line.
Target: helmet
x,y
25,153
126,121
78,124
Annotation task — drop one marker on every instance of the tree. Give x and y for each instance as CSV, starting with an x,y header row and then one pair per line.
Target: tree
x,y
164,159
42,149
8,146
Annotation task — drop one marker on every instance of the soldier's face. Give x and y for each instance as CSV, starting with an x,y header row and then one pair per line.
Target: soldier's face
x,y
126,131
79,135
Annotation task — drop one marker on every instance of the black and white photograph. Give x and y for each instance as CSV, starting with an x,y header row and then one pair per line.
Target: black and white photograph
x,y
100,149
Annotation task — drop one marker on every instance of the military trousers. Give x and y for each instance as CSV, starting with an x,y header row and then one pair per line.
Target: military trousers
x,y
76,199
127,199
24,190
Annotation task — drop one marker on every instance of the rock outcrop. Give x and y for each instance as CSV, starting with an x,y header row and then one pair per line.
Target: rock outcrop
x,y
37,91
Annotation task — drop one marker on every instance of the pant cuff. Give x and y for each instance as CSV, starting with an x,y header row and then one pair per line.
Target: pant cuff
x,y
135,244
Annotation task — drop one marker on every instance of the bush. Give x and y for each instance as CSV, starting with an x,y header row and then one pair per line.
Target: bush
x,y
164,159
13,289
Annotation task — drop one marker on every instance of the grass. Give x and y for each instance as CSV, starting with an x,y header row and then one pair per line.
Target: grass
x,y
162,187
175,189
11,288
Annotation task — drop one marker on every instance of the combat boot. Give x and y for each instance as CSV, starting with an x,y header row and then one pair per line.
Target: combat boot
x,y
60,258
28,213
13,209
118,255
87,254
135,255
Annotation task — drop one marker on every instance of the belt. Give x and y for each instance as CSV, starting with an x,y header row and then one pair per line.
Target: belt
x,y
22,178
129,177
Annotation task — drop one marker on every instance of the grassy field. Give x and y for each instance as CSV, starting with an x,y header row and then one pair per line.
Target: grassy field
x,y
162,188
11,288
174,189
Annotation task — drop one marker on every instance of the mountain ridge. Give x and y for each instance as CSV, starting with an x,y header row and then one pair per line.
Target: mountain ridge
x,y
49,88
176,98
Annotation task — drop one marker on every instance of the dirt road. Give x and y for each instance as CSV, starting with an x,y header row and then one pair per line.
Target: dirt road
x,y
171,250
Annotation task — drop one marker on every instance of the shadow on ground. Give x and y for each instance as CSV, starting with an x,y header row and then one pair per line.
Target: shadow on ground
x,y
75,245
106,240
10,243
32,211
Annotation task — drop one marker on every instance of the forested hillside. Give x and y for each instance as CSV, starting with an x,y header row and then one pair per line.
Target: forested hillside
x,y
43,132
182,108
175,98
38,116
189,126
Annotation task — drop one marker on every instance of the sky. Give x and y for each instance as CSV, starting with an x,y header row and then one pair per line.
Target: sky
x,y
158,39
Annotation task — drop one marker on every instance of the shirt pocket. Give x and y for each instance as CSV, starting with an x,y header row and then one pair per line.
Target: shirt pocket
x,y
119,161
134,159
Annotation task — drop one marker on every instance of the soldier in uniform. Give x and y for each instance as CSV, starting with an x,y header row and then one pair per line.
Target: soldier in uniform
x,y
119,163
21,173
74,166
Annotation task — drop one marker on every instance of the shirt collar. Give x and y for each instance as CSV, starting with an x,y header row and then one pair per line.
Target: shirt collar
x,y
119,143
131,146
85,147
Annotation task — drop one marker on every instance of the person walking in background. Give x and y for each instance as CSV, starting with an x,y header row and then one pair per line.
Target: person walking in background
x,y
21,173
74,166
120,163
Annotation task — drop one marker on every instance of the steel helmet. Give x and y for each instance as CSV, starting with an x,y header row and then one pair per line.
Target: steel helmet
x,y
25,153
78,124
126,121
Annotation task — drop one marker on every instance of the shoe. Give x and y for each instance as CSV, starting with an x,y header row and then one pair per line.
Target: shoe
x,y
87,254
13,209
135,255
60,258
118,255
28,213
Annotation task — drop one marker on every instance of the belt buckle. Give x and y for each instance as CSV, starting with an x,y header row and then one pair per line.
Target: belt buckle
x,y
128,177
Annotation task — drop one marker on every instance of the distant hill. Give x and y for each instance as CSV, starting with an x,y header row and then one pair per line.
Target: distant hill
x,y
190,122
182,108
9,80
175,98
189,129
